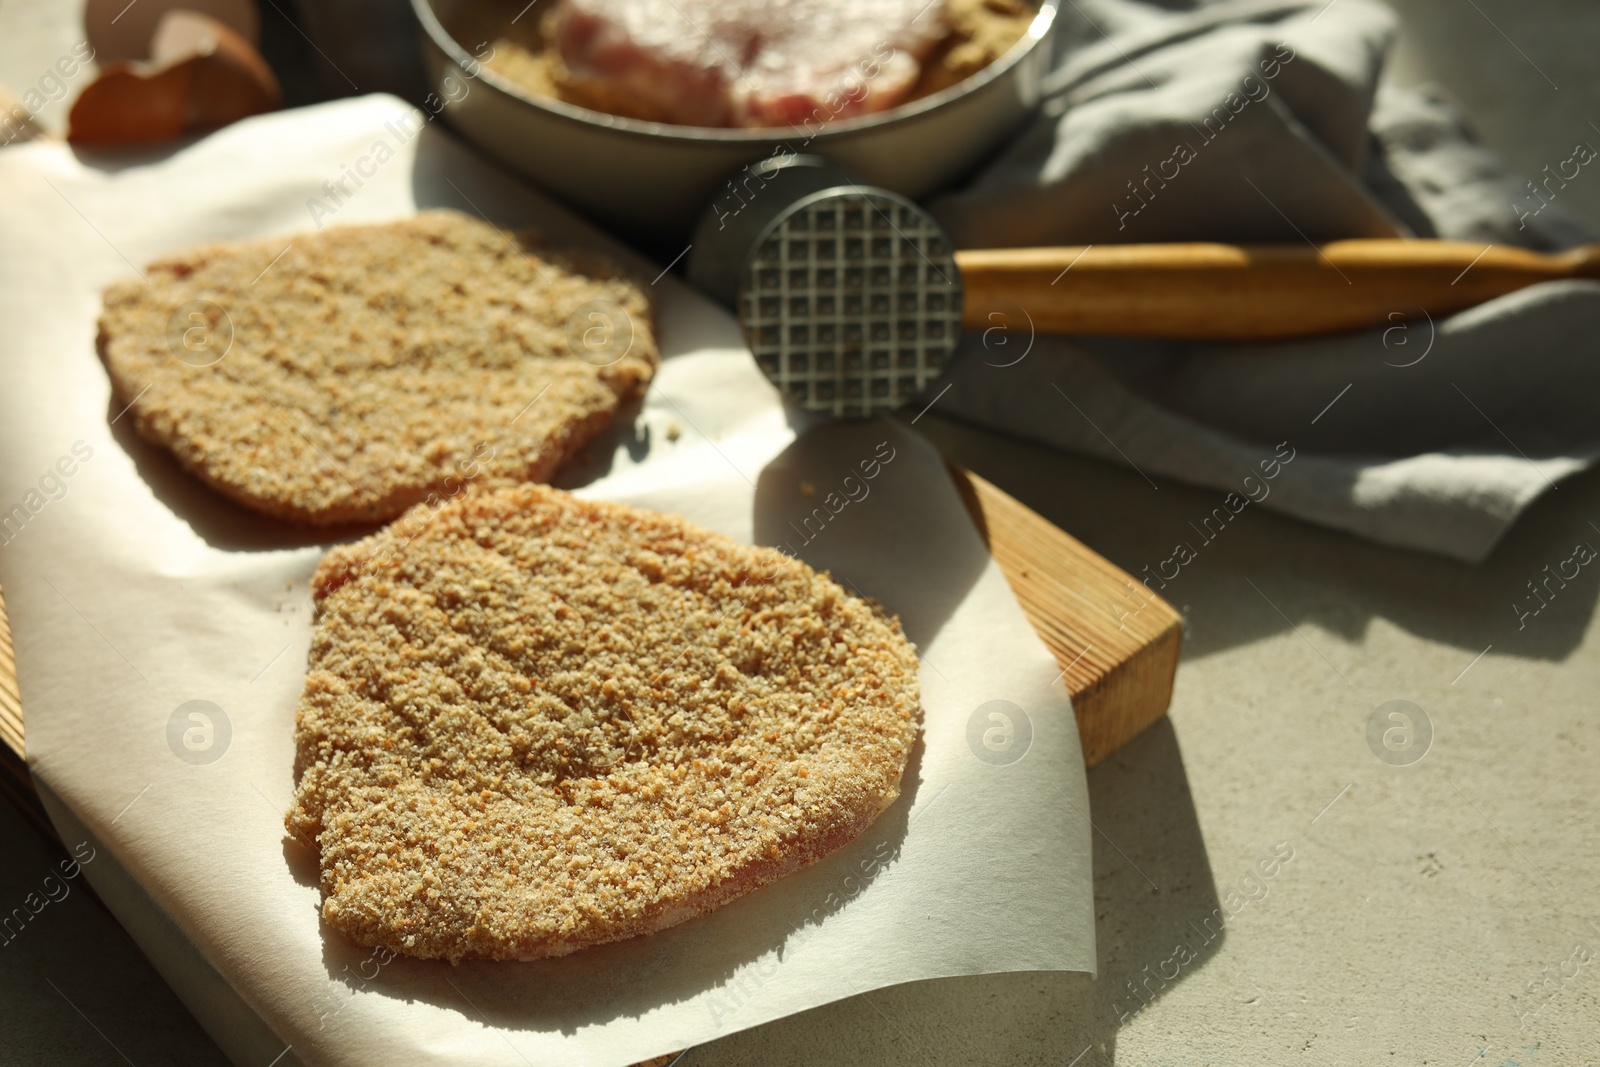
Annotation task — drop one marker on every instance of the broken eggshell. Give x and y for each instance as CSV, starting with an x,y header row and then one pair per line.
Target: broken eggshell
x,y
201,74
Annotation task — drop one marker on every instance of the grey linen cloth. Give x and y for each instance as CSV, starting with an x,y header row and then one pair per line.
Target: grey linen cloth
x,y
1251,121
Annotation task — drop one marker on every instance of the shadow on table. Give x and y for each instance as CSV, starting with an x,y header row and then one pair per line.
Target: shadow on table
x,y
1154,898
1304,574
69,962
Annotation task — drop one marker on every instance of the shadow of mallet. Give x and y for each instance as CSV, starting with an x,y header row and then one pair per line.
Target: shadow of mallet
x,y
852,299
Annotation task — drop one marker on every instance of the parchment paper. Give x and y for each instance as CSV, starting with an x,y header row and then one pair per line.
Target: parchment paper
x,y
134,590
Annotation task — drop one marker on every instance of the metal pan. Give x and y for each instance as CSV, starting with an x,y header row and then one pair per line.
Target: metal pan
x,y
651,180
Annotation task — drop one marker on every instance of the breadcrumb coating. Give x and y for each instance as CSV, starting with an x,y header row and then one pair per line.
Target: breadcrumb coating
x,y
534,723
367,367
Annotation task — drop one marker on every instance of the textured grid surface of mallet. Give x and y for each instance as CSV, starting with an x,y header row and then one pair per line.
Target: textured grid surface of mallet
x,y
852,304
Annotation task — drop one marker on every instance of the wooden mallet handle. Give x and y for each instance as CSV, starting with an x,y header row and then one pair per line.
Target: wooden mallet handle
x,y
1247,292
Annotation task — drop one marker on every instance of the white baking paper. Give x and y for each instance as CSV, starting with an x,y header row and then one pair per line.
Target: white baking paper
x,y
133,590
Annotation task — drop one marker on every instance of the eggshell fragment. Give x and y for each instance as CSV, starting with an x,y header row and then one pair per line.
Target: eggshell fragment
x,y
200,75
230,80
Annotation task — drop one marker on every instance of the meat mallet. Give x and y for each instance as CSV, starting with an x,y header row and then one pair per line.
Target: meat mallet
x,y
852,299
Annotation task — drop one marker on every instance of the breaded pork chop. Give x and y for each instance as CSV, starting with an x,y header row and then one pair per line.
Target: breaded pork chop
x,y
348,374
534,723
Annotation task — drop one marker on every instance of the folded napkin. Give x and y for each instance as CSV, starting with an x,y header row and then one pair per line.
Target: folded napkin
x,y
1267,122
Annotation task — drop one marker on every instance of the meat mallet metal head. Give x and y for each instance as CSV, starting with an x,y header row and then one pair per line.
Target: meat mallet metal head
x,y
849,295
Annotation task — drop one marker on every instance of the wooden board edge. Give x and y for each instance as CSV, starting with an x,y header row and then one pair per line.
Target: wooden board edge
x,y
1118,643
16,784
11,733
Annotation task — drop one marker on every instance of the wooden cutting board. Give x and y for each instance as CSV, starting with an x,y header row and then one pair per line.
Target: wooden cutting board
x,y
1117,642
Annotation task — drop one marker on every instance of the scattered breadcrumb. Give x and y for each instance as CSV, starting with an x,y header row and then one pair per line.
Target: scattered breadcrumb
x,y
374,365
534,723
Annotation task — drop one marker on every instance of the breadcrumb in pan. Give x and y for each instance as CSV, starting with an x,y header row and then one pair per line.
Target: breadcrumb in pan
x,y
523,52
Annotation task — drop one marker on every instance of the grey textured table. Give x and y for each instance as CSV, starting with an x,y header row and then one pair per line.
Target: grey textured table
x,y
1430,913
